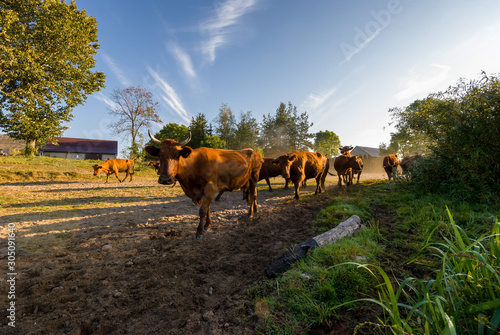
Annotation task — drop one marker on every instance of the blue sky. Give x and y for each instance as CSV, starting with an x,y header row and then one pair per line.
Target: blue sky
x,y
345,63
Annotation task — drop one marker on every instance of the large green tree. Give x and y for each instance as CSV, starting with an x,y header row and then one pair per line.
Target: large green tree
x,y
326,142
285,131
199,129
247,132
47,49
225,126
172,131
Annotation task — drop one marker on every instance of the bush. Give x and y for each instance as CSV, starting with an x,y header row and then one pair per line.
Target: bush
x,y
464,125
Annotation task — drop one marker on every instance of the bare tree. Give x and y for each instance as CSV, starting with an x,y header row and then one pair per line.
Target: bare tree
x,y
135,110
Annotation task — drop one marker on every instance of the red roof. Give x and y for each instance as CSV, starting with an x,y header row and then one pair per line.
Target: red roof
x,y
82,145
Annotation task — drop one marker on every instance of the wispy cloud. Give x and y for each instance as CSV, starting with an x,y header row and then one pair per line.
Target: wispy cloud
x,y
168,95
226,15
350,51
316,100
183,59
116,69
422,81
110,103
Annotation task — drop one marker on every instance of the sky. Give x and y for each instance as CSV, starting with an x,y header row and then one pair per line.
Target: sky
x,y
345,63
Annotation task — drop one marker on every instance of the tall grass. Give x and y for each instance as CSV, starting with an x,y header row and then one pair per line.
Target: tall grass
x,y
463,298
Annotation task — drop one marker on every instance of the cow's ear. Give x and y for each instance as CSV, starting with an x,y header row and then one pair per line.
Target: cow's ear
x,y
291,158
185,152
152,151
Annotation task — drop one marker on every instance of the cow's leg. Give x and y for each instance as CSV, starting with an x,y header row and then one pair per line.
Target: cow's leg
x,y
297,190
115,171
219,195
286,183
349,176
297,183
318,185
246,192
130,173
107,177
340,178
252,197
204,218
323,178
208,221
208,194
269,184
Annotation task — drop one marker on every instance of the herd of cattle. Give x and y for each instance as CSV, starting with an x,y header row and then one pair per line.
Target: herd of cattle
x,y
204,172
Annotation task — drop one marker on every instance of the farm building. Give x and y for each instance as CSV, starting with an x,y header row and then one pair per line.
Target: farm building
x,y
371,158
79,148
366,152
8,144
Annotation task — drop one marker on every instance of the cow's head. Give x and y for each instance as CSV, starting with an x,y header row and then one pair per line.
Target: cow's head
x,y
345,149
285,162
169,153
97,168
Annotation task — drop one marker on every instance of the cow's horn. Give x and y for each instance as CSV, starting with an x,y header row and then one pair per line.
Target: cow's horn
x,y
186,140
153,138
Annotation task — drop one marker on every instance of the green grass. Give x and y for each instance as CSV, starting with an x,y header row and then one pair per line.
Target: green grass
x,y
22,169
408,262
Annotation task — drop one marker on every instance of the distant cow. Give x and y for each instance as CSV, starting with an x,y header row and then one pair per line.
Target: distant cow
x,y
407,164
269,170
345,166
302,165
156,166
114,166
390,163
354,172
203,172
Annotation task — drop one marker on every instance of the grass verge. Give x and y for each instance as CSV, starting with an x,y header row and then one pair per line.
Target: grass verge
x,y
415,264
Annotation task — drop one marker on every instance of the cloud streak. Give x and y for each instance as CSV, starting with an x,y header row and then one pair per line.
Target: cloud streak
x,y
168,95
183,59
116,69
101,97
217,27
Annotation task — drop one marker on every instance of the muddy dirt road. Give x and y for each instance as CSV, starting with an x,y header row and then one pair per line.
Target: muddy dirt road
x,y
121,259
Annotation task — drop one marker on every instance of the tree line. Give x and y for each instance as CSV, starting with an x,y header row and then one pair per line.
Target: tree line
x,y
284,131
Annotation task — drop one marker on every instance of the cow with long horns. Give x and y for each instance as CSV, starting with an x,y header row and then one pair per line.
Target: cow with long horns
x,y
203,172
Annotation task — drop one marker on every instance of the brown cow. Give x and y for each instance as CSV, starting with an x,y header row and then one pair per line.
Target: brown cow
x,y
345,166
407,164
267,170
390,163
114,166
302,165
346,175
203,172
156,166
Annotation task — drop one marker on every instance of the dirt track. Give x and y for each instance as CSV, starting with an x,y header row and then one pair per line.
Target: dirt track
x,y
151,277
